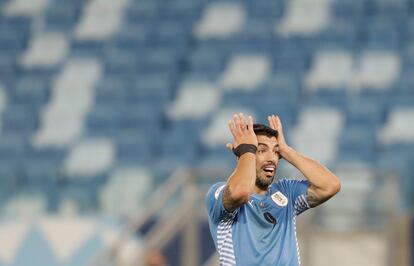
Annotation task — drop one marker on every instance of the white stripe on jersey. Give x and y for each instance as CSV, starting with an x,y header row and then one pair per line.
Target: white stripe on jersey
x,y
225,243
301,205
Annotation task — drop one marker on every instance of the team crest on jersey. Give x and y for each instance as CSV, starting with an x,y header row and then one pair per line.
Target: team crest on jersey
x,y
216,195
279,198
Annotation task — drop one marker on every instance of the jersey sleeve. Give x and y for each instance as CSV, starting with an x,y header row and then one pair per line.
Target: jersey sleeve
x,y
214,203
298,190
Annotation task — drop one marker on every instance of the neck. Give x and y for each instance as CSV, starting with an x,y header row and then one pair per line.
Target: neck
x,y
259,191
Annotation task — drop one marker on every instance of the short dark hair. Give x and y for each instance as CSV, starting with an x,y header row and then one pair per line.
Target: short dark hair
x,y
260,129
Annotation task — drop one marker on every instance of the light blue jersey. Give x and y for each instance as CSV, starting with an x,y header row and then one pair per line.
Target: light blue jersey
x,y
261,232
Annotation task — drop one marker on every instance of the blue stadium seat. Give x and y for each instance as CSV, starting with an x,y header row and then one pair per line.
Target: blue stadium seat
x,y
182,142
82,192
391,8
272,10
8,68
121,63
185,11
328,97
204,59
263,103
365,113
135,147
11,40
340,34
30,90
9,178
291,55
161,60
352,9
20,25
142,115
111,90
103,120
143,12
86,48
62,15
283,84
13,148
381,33
402,96
153,88
132,39
42,171
21,119
357,144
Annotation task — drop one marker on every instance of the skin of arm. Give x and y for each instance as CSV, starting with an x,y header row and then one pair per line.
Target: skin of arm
x,y
241,183
323,183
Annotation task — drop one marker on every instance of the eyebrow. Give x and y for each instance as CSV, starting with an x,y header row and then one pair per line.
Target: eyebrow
x,y
264,144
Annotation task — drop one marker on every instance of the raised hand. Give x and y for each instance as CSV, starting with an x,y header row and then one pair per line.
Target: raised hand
x,y
242,131
275,123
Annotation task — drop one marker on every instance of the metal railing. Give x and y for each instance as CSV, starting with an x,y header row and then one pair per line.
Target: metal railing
x,y
168,226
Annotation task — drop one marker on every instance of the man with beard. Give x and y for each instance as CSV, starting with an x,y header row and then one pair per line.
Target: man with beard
x,y
252,220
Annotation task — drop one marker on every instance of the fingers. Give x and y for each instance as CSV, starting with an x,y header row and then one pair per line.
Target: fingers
x,y
232,127
272,121
238,124
278,123
250,123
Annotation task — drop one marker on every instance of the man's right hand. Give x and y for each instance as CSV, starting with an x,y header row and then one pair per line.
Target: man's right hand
x,y
242,131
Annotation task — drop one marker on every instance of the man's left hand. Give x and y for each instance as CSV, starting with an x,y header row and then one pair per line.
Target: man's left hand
x,y
275,123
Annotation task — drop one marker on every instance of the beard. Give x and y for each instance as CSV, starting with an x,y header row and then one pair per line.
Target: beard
x,y
264,182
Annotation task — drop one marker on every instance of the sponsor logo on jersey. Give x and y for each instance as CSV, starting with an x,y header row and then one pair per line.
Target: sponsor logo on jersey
x,y
269,218
279,198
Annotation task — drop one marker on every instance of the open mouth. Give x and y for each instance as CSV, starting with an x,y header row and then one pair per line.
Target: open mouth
x,y
269,170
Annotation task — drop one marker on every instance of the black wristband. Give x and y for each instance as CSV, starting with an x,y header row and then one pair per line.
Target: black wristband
x,y
243,148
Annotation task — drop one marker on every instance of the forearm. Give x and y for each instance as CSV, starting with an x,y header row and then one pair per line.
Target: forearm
x,y
318,175
242,180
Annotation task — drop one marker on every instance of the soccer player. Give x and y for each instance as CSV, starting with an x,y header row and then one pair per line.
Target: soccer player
x,y
252,219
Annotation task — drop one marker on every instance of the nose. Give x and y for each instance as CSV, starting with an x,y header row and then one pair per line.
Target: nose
x,y
272,157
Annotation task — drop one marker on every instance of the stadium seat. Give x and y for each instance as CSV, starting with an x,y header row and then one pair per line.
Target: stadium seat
x,y
89,157
377,70
45,50
25,8
245,72
330,69
103,120
304,18
212,25
322,146
100,20
126,188
398,127
352,9
62,15
30,90
190,92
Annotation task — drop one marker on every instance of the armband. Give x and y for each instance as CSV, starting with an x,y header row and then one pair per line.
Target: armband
x,y
243,148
